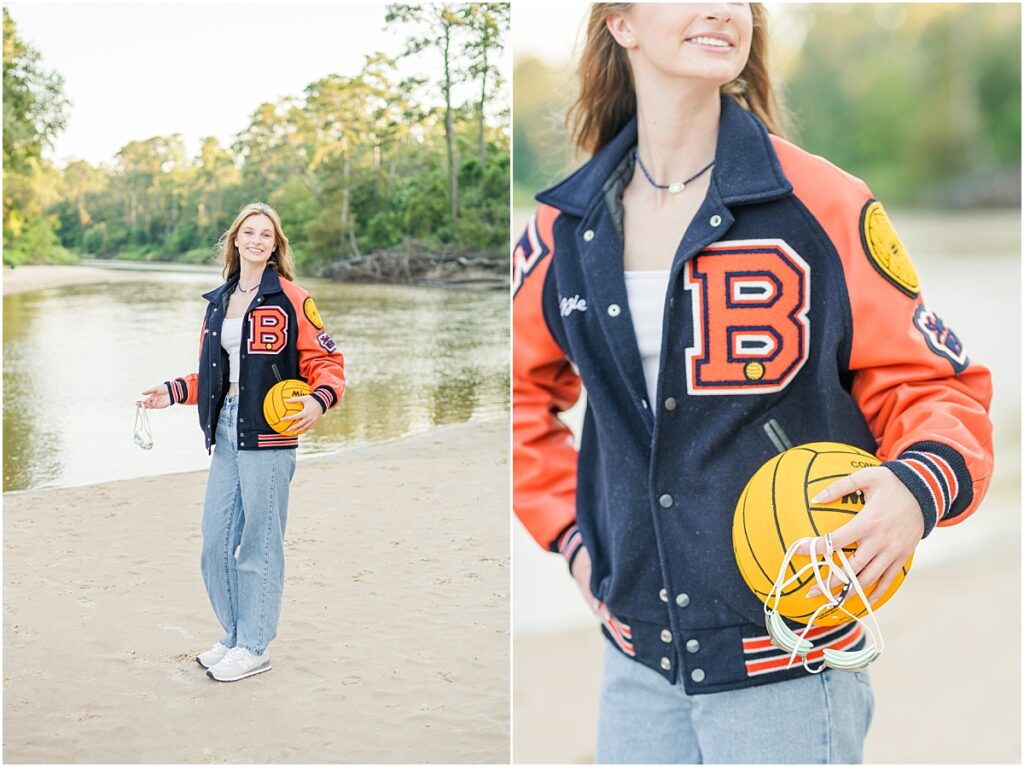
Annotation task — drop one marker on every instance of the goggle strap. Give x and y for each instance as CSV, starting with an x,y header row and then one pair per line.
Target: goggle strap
x,y
798,644
876,635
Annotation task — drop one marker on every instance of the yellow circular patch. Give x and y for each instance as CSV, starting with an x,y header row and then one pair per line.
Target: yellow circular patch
x,y
312,314
754,371
886,251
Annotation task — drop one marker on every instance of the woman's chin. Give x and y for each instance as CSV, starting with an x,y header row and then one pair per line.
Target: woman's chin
x,y
255,263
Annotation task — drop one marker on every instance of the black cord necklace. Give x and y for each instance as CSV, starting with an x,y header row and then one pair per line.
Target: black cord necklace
x,y
676,187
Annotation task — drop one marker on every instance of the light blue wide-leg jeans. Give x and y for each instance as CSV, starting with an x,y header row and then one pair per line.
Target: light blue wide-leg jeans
x,y
817,719
246,509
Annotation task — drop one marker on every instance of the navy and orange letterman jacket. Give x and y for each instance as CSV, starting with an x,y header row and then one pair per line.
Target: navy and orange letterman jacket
x,y
281,329
793,315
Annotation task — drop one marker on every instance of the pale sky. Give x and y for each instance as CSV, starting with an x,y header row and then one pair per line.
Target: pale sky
x,y
547,30
134,71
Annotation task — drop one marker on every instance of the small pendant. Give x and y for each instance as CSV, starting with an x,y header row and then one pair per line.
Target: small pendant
x,y
677,187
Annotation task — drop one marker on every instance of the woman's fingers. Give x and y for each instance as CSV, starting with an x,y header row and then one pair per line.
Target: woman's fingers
x,y
873,570
308,416
859,561
885,530
887,579
298,422
843,486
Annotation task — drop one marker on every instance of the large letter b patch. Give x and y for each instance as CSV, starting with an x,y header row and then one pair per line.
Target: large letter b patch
x,y
750,329
268,330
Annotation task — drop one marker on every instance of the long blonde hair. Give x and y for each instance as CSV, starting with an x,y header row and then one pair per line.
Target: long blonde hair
x,y
280,260
607,99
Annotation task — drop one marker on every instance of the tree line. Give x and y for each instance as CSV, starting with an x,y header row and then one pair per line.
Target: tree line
x,y
355,164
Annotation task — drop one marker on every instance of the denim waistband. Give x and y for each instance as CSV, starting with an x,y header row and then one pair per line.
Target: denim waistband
x,y
230,406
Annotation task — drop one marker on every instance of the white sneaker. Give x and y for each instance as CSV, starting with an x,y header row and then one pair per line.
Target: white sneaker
x,y
239,663
213,656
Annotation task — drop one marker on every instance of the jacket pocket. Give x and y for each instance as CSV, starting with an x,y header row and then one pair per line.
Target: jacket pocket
x,y
776,435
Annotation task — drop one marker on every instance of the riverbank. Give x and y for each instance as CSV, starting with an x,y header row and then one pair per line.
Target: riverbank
x,y
25,279
451,274
393,642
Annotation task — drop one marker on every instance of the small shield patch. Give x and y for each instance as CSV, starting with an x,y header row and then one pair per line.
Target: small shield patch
x,y
883,246
940,338
326,342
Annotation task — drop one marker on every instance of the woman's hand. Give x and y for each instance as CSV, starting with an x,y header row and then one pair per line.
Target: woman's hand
x,y
886,530
157,397
581,573
309,415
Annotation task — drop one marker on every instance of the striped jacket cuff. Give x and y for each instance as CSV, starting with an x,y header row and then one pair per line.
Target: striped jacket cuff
x,y
569,543
178,390
325,396
937,476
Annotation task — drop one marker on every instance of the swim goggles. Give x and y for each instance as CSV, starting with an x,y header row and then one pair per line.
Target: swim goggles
x,y
824,568
141,433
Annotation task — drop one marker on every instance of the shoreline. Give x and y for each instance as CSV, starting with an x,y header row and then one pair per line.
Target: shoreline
x,y
393,644
32,277
302,460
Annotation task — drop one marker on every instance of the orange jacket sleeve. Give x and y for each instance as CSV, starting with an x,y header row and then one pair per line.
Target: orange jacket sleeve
x,y
925,401
320,361
543,384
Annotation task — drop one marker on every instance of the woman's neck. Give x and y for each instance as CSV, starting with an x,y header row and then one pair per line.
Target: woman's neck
x,y
677,130
249,276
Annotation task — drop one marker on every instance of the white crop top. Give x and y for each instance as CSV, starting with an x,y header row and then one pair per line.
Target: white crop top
x,y
231,342
646,292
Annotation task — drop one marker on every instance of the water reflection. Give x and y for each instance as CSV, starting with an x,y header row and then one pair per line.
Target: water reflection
x,y
75,360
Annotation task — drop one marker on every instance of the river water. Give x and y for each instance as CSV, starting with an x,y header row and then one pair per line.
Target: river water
x,y
76,359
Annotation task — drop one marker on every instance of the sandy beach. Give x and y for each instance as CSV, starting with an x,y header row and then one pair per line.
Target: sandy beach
x,y
394,637
947,687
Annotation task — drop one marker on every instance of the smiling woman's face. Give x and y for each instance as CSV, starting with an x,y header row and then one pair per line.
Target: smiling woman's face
x,y
708,42
255,239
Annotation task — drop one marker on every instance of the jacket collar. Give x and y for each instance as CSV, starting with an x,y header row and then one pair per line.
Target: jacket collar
x,y
746,166
270,283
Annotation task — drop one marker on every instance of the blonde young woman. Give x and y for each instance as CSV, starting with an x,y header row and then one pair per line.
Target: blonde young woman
x,y
260,327
720,294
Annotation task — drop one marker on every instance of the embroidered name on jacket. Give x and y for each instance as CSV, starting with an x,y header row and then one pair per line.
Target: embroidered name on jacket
x,y
570,305
750,301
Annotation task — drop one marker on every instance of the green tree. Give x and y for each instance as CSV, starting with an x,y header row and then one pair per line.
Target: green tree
x,y
439,25
216,174
34,112
355,165
915,121
488,24
34,103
